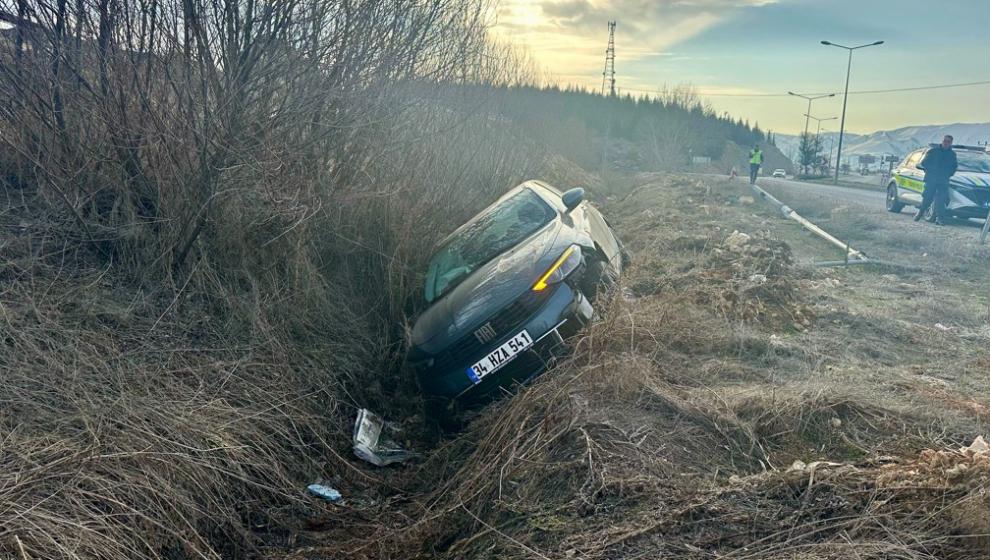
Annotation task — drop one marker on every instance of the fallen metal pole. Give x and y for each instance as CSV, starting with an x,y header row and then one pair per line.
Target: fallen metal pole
x,y
825,264
871,262
852,255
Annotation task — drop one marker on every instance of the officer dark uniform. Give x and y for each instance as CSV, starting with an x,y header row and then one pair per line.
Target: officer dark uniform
x,y
938,164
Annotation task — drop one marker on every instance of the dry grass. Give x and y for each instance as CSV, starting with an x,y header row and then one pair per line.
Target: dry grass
x,y
679,428
211,227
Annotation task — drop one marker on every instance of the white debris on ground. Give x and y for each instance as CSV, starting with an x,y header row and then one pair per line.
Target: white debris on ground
x,y
978,447
737,241
369,444
324,492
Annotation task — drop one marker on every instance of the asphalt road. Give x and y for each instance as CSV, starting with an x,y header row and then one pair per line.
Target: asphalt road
x,y
788,190
792,193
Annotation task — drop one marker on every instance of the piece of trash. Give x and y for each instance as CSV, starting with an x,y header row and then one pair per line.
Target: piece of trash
x,y
956,472
942,327
746,200
978,447
835,422
369,444
758,278
324,492
736,241
800,466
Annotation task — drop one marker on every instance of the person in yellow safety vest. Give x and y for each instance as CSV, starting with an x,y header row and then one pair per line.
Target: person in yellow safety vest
x,y
755,161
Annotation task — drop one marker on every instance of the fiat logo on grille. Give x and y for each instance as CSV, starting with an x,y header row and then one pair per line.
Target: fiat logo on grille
x,y
485,334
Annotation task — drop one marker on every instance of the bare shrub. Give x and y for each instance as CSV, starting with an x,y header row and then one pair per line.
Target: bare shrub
x,y
215,213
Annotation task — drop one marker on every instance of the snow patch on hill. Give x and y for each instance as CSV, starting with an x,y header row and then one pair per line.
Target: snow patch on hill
x,y
897,142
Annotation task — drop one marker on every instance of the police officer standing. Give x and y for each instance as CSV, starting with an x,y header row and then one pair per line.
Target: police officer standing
x,y
938,164
755,161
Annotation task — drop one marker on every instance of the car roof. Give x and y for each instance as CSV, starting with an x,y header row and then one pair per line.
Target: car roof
x,y
964,147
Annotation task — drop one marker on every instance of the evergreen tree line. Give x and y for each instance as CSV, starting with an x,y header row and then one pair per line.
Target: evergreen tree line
x,y
667,127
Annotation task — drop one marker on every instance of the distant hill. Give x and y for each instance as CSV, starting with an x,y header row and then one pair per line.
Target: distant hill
x,y
897,142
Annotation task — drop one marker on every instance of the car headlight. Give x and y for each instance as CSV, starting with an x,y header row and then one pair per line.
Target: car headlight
x,y
561,268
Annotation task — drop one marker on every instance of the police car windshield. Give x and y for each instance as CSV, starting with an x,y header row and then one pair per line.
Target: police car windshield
x,y
974,162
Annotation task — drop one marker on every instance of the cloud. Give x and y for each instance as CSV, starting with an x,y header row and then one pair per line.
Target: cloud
x,y
568,37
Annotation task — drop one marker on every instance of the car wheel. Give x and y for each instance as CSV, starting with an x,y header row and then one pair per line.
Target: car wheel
x,y
893,204
598,280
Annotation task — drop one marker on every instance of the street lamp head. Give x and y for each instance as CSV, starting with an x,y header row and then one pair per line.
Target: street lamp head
x,y
826,43
831,95
791,93
878,43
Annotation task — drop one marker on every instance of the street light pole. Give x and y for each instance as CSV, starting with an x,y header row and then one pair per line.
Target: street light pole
x,y
831,146
810,99
806,116
845,98
819,132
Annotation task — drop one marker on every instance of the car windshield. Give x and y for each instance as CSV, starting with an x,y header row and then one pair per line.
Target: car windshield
x,y
495,231
975,162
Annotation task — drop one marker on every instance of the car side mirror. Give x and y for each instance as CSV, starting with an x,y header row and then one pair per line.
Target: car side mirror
x,y
572,198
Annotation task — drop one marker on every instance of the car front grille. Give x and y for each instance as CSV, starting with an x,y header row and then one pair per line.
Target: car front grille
x,y
503,322
523,368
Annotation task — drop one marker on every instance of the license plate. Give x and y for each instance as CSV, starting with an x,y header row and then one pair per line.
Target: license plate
x,y
500,356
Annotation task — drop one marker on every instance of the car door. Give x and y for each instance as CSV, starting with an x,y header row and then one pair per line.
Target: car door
x,y
911,180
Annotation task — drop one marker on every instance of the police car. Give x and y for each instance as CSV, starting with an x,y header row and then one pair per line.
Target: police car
x,y
969,188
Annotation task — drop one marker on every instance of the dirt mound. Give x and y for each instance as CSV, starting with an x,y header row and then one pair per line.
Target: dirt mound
x,y
739,273
931,506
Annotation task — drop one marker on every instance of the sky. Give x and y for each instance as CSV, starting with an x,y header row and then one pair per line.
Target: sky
x,y
736,52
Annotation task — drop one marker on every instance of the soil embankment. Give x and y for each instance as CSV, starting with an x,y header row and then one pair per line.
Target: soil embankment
x,y
735,403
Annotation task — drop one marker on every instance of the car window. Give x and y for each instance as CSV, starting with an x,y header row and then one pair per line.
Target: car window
x,y
913,159
489,234
975,162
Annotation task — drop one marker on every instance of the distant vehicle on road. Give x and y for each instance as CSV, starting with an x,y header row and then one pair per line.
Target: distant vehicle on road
x,y
779,173
506,289
969,188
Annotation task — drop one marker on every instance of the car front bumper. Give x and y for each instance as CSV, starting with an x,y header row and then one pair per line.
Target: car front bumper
x,y
969,202
564,313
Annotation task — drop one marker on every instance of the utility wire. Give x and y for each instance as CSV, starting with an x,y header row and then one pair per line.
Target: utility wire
x,y
863,92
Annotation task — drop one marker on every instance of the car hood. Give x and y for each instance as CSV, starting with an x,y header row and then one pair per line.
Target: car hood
x,y
970,179
488,289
